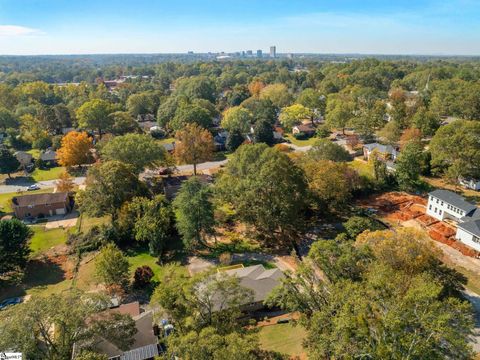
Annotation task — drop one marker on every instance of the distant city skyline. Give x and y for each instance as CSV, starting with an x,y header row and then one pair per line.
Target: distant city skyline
x,y
429,27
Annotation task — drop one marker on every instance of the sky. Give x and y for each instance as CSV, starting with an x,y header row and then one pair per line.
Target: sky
x,y
430,27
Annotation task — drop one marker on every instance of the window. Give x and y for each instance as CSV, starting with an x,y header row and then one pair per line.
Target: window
x,y
435,210
476,239
439,212
430,207
437,201
442,203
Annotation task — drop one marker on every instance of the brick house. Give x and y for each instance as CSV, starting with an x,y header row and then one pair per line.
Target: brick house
x,y
39,205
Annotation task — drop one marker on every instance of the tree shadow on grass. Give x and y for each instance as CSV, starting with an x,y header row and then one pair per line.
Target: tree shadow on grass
x,y
42,272
20,181
38,273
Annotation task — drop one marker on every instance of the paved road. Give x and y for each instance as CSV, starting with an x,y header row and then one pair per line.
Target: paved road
x,y
475,301
22,185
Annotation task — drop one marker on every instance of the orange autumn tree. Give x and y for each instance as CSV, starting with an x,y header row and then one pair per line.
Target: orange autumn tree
x,y
65,183
410,135
255,87
193,145
75,149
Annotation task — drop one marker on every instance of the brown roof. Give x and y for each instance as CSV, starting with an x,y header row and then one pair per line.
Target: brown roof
x,y
40,199
132,309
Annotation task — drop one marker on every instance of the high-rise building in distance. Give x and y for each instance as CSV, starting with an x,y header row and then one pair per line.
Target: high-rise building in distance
x,y
249,52
259,53
273,51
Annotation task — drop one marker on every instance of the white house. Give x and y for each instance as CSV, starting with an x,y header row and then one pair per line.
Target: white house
x,y
444,204
447,204
470,183
469,233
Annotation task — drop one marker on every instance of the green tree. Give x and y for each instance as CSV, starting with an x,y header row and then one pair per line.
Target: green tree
x,y
196,87
456,151
278,94
111,267
109,186
266,190
208,344
261,109
263,133
194,212
123,123
324,149
355,225
312,99
237,118
426,121
143,103
8,162
234,139
293,115
149,221
408,166
390,133
14,249
137,150
7,119
27,327
190,114
94,114
340,109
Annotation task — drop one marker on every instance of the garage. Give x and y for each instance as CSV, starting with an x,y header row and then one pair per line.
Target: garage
x,y
60,211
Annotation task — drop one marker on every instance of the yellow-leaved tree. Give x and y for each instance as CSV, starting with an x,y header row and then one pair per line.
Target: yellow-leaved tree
x,y
75,149
194,145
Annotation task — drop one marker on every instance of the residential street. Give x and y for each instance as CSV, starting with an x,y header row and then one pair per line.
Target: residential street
x,y
22,186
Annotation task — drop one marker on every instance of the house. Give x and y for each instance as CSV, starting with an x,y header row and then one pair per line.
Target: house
x,y
172,184
49,156
307,129
444,204
23,158
145,342
470,183
387,152
220,141
40,205
258,279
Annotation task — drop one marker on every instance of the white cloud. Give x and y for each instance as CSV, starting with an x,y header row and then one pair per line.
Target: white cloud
x,y
15,30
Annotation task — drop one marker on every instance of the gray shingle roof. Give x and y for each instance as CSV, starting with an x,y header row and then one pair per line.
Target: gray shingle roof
x,y
258,279
453,199
473,227
386,149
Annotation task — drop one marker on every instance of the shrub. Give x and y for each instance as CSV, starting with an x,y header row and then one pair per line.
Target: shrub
x,y
143,276
225,258
323,131
300,136
357,225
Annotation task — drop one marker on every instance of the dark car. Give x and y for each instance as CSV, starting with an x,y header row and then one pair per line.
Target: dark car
x,y
10,302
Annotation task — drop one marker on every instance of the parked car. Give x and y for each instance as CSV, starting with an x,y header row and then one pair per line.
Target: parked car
x,y
10,302
33,187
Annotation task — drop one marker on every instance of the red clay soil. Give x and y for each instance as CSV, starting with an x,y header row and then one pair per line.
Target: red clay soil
x,y
426,220
444,229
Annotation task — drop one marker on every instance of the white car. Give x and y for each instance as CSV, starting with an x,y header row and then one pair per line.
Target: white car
x,y
33,187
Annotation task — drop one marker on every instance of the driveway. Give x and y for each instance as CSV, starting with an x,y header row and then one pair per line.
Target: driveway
x,y
67,221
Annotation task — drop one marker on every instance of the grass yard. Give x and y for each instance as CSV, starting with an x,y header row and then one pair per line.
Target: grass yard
x,y
306,142
34,152
85,223
43,239
283,338
49,174
142,257
6,199
363,168
166,141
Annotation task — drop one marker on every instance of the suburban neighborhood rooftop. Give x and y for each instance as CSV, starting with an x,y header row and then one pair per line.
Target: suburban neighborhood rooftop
x,y
453,199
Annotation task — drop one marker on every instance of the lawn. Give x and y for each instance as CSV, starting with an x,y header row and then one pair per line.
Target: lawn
x,y
363,168
307,142
142,257
48,174
166,141
85,223
283,338
6,199
43,239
